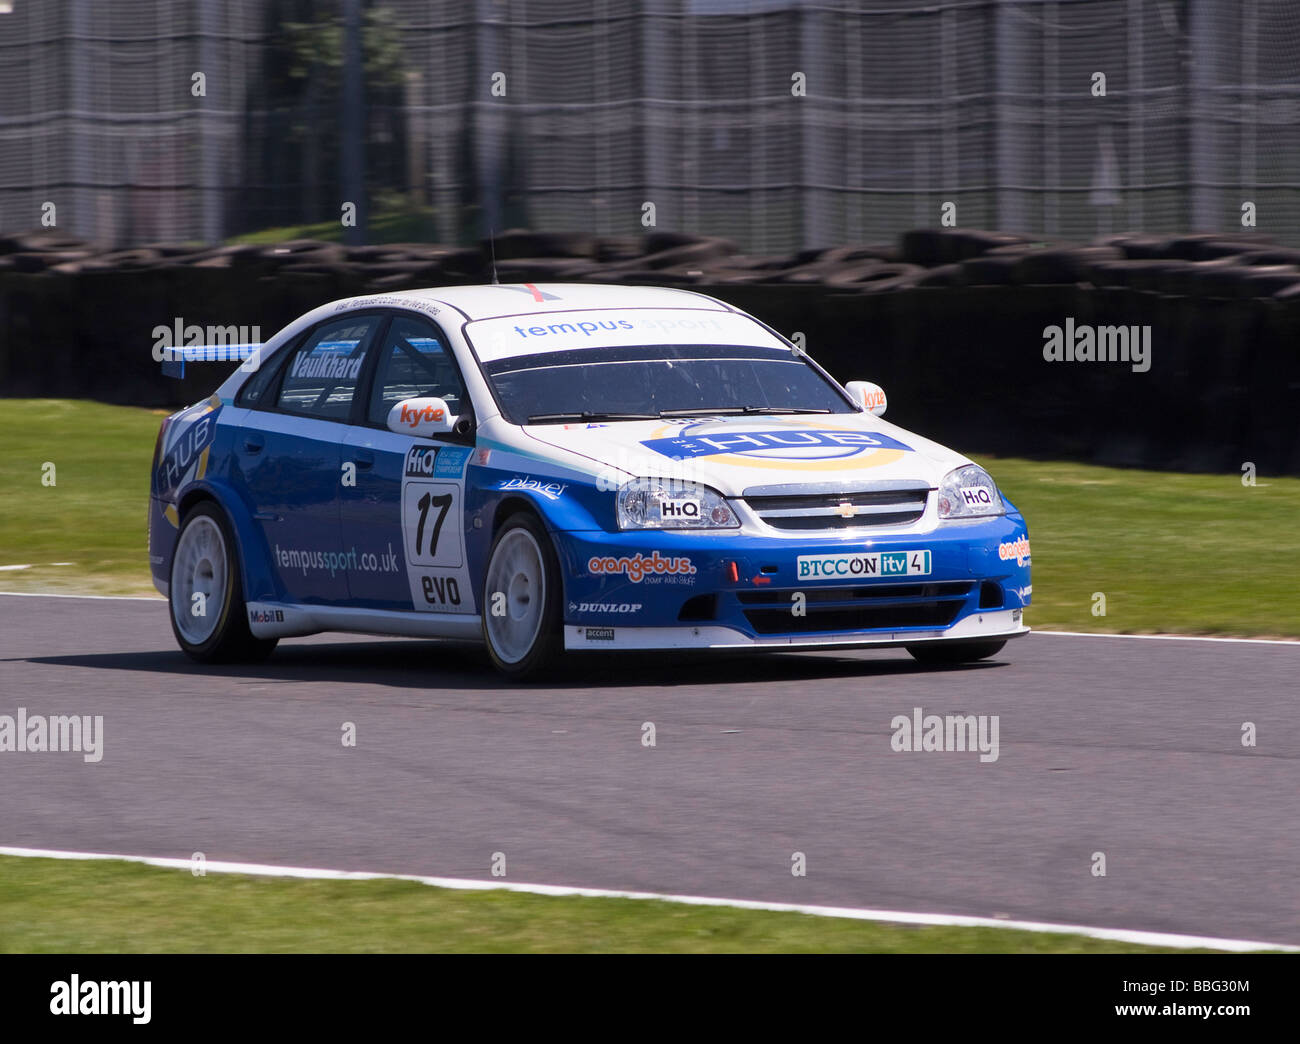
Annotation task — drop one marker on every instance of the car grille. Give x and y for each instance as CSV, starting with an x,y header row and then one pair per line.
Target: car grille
x,y
886,504
880,607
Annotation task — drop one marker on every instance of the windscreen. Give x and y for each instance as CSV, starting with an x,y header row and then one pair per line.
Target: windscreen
x,y
566,366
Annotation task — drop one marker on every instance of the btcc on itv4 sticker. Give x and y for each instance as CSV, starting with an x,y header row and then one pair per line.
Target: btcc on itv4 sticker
x,y
862,566
433,536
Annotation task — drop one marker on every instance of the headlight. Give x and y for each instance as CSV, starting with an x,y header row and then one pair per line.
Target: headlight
x,y
969,492
647,503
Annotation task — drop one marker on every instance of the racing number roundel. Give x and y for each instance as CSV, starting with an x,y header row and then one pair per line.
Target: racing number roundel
x,y
433,502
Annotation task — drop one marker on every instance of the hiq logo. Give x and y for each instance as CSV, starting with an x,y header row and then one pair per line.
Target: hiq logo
x,y
680,509
976,496
420,461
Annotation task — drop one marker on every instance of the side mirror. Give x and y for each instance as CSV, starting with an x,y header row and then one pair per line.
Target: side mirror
x,y
872,396
424,416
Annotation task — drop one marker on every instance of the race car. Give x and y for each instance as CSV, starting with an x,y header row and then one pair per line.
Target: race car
x,y
558,468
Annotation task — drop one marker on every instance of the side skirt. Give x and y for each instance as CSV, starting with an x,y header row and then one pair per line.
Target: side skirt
x,y
276,620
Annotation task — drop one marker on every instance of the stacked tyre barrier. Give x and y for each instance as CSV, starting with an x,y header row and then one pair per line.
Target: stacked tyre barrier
x,y
952,322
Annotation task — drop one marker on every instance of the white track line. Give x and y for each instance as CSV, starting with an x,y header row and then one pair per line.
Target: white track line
x,y
97,598
1169,637
892,916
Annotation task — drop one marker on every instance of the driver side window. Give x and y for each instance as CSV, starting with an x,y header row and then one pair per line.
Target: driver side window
x,y
321,376
415,362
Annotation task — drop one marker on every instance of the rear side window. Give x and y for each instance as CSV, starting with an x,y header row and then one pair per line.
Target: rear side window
x,y
321,376
414,362
256,389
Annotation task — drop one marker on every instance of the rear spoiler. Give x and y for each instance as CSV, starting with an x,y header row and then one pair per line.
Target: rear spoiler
x,y
174,359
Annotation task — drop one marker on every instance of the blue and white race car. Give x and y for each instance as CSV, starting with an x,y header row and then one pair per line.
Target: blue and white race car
x,y
549,468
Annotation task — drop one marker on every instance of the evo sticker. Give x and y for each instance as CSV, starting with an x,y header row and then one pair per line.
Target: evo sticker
x,y
870,565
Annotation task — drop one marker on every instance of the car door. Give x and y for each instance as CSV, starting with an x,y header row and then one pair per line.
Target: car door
x,y
405,514
287,459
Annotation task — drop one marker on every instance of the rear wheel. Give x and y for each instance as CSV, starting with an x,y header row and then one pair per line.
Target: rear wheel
x,y
205,593
942,653
521,600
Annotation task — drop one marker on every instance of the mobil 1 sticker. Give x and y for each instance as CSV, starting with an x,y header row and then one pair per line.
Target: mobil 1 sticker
x,y
867,565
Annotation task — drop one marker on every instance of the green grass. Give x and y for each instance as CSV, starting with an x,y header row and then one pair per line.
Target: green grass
x,y
403,223
1191,554
55,906
94,514
1174,553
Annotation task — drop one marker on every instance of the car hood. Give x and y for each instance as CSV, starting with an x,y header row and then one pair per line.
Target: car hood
x,y
735,454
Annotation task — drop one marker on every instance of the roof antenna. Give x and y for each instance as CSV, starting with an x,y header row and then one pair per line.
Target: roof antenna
x,y
492,241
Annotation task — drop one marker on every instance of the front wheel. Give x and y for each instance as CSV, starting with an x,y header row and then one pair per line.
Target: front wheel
x,y
946,653
521,600
205,593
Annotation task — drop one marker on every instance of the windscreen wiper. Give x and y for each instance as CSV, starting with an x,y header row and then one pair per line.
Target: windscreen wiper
x,y
588,415
740,410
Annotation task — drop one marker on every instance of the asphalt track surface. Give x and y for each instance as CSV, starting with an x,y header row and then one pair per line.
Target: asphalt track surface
x,y
1127,747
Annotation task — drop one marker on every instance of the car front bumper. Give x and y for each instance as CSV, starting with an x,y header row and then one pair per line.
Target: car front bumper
x,y
666,590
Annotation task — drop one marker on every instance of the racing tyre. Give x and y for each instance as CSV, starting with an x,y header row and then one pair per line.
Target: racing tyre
x,y
213,628
522,631
946,653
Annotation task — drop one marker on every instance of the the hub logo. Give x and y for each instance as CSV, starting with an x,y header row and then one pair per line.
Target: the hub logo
x,y
795,445
864,566
184,452
419,461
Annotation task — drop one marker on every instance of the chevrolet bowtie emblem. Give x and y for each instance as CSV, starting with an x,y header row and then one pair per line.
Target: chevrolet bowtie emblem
x,y
846,509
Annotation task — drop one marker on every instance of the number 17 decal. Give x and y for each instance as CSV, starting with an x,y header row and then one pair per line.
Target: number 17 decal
x,y
441,503
431,523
